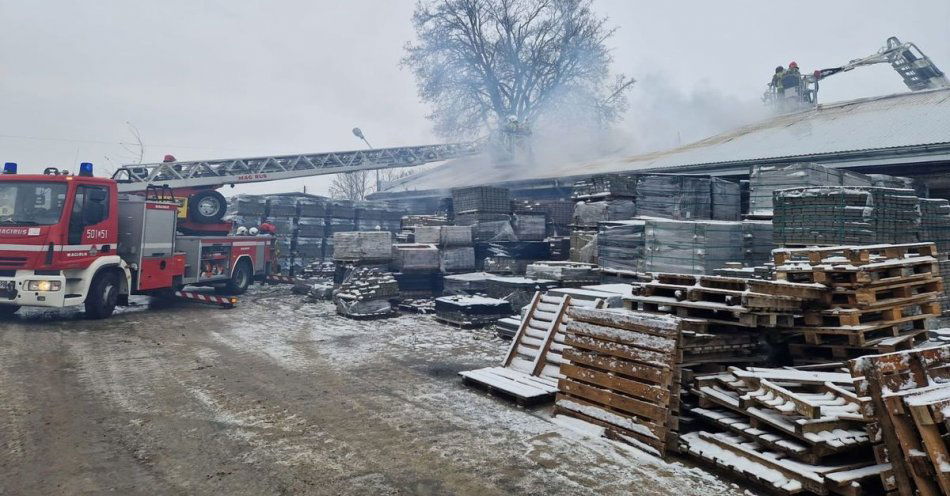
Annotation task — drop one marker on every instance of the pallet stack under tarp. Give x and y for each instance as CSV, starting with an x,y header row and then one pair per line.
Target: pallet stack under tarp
x,y
879,299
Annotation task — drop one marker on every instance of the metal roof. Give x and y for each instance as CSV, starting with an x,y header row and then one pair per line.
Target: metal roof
x,y
901,128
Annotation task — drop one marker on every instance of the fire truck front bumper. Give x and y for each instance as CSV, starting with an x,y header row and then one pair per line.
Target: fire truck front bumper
x,y
27,289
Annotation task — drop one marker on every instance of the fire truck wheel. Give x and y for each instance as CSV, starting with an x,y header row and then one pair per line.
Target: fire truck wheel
x,y
240,280
207,207
103,296
8,310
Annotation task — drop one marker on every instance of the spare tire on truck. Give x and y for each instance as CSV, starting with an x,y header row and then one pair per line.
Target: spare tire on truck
x,y
207,207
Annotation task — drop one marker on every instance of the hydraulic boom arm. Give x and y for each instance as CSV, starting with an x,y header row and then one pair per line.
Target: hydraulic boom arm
x,y
216,173
917,70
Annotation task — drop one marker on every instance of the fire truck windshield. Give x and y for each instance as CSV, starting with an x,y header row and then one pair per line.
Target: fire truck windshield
x,y
31,203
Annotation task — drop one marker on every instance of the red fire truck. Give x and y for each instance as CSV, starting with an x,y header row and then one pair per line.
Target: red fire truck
x,y
69,240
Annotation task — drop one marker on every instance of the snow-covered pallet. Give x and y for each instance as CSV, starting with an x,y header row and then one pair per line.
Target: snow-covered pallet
x,y
786,410
530,371
787,429
623,375
776,471
906,396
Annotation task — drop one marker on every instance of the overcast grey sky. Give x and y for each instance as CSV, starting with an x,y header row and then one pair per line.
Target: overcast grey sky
x,y
214,79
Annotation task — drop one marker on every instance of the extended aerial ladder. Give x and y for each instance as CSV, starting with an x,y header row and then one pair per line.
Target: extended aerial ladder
x,y
194,183
917,70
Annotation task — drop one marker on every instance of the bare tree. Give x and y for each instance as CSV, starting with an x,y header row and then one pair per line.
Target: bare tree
x,y
351,185
477,62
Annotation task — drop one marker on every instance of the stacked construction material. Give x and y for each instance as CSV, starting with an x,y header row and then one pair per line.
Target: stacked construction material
x,y
281,211
687,197
935,227
905,396
690,247
510,257
341,217
378,216
791,431
584,246
837,215
529,226
367,293
456,253
415,257
757,242
764,180
567,274
559,248
470,310
517,290
621,245
487,209
880,298
417,270
662,245
363,247
467,284
558,213
601,198
246,210
412,221
312,228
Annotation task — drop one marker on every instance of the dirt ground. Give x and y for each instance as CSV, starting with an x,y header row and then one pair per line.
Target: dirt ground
x,y
279,396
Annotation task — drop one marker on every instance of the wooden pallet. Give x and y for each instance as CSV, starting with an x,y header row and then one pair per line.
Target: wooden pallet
x,y
776,471
715,313
878,316
774,410
531,369
856,255
881,273
623,374
811,353
878,296
884,380
929,410
752,294
864,336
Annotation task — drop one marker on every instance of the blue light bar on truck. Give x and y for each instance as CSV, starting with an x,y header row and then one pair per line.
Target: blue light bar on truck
x,y
9,168
85,169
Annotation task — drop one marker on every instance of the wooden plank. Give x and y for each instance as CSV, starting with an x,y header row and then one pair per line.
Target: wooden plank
x,y
618,350
648,412
521,329
647,392
657,375
637,339
540,360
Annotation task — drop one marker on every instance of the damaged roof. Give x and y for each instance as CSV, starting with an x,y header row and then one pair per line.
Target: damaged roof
x,y
901,128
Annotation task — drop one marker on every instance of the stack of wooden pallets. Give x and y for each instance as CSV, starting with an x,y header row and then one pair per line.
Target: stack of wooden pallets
x,y
790,430
879,298
906,397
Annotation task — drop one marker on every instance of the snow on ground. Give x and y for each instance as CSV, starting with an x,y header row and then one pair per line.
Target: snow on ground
x,y
311,333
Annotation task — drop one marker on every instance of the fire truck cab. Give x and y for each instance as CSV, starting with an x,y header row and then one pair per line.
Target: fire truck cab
x,y
68,240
